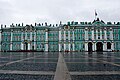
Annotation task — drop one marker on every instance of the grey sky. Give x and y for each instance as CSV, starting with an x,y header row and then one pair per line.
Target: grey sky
x,y
53,11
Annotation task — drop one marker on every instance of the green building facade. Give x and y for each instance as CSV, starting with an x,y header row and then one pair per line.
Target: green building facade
x,y
73,36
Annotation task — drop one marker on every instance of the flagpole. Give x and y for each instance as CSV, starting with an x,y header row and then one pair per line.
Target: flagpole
x,y
95,17
95,14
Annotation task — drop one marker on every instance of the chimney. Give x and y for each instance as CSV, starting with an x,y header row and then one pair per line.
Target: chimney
x,y
1,26
39,24
56,24
50,24
53,25
22,24
42,24
60,22
18,24
35,24
45,23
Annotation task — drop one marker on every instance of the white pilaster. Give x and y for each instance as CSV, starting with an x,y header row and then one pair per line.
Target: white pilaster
x,y
64,47
46,40
0,39
25,35
112,46
11,40
69,40
86,38
93,47
59,47
106,46
86,34
22,45
29,46
96,34
31,36
105,34
73,41
69,46
92,33
86,46
31,40
100,33
103,46
64,40
59,40
35,40
46,47
73,47
111,34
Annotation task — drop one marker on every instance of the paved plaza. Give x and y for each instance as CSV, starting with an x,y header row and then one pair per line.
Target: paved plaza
x,y
59,66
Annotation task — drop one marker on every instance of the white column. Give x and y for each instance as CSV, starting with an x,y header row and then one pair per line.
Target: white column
x,y
0,39
86,46
73,47
86,34
104,46
105,34
46,40
112,46
59,47
96,34
31,40
25,35
29,46
86,38
92,34
35,40
22,45
73,41
93,46
59,40
111,34
100,33
11,40
69,39
64,40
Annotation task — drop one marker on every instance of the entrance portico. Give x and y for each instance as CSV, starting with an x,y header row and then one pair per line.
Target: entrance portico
x,y
26,45
98,46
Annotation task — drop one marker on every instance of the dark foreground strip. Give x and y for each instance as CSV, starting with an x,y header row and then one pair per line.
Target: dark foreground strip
x,y
53,73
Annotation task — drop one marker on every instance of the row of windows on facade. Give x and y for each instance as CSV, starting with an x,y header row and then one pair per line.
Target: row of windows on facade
x,y
53,34
42,38
76,30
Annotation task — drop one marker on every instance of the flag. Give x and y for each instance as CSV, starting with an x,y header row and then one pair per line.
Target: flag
x,y
95,13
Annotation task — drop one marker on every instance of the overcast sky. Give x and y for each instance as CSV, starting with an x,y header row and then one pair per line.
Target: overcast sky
x,y
53,11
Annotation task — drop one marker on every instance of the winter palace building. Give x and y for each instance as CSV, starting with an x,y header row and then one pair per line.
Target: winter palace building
x,y
73,36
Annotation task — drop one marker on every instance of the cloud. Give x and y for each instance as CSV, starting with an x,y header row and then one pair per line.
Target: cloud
x,y
53,11
5,12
